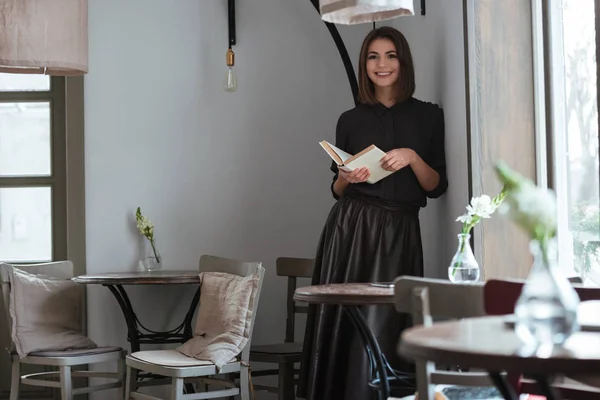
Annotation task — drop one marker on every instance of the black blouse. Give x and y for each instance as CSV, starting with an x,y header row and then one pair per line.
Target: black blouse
x,y
413,124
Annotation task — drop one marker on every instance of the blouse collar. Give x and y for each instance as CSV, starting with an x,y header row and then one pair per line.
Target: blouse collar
x,y
380,109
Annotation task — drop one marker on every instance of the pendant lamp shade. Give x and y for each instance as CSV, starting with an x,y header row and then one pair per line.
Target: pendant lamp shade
x,y
350,12
44,37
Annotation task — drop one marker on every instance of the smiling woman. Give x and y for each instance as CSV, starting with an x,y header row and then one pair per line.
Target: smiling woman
x,y
372,233
380,66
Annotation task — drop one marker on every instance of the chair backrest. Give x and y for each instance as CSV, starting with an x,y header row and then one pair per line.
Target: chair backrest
x,y
500,296
210,263
58,270
293,268
426,297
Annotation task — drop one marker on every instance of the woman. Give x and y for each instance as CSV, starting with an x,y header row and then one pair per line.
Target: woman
x,y
372,233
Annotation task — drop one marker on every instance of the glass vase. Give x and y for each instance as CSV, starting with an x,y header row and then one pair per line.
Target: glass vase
x,y
546,311
464,266
152,260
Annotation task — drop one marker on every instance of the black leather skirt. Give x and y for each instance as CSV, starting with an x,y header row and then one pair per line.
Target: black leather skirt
x,y
364,240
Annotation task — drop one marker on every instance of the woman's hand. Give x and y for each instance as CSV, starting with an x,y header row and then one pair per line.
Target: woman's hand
x,y
357,176
395,160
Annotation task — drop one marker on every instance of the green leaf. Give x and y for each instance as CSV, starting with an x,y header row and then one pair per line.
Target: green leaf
x,y
510,178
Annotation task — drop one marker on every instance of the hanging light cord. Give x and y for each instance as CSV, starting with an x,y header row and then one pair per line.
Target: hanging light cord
x,y
231,14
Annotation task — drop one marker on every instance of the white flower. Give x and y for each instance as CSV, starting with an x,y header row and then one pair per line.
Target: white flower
x,y
533,208
465,219
144,225
481,206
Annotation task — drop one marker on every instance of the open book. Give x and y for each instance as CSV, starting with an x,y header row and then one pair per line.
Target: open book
x,y
369,157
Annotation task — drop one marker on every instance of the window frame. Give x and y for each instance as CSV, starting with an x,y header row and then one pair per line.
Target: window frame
x,y
57,178
556,123
67,175
500,123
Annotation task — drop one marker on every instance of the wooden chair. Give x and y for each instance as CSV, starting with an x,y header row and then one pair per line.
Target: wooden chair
x,y
426,299
289,352
63,360
500,298
180,368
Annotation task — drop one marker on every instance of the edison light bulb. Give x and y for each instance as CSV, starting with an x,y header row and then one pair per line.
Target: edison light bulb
x,y
230,79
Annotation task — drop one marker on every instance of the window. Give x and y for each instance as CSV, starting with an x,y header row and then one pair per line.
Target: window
x,y
41,201
574,167
32,168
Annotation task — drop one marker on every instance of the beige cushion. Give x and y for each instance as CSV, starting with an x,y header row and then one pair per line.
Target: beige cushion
x,y
78,352
169,358
46,314
224,318
589,379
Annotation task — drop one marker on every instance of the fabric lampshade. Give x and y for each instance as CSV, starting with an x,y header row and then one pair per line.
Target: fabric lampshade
x,y
350,12
44,37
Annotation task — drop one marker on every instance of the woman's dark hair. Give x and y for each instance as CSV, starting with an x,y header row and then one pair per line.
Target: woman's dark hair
x,y
406,81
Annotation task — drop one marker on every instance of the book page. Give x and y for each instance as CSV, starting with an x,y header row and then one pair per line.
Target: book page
x,y
343,155
370,158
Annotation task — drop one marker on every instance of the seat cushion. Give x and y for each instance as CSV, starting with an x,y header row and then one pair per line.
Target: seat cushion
x,y
278,348
76,353
46,313
168,358
589,379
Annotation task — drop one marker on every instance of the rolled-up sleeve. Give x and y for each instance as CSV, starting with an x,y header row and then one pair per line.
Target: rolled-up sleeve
x,y
437,157
340,142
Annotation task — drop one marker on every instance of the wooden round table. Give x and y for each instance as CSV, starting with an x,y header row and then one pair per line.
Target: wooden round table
x,y
491,344
137,333
351,296
347,294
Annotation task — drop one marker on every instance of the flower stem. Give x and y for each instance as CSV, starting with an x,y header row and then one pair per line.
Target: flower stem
x,y
544,249
154,250
461,250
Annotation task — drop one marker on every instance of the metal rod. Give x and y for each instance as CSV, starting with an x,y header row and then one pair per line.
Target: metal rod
x,y
339,43
371,344
597,23
507,391
231,15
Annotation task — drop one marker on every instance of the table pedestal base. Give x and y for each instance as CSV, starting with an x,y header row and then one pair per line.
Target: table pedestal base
x,y
381,373
138,334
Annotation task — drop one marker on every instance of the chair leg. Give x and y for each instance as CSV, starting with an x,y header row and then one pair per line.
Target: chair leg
x,y
177,389
15,380
425,389
230,377
286,382
128,379
66,383
122,376
244,382
133,380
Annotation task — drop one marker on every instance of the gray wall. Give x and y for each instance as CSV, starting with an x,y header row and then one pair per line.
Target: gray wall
x,y
238,175
437,45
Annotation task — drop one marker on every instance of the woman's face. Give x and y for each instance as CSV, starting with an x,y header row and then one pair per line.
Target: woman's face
x,y
383,65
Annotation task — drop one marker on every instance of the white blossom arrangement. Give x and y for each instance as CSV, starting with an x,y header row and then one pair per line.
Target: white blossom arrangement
x,y
481,207
531,207
146,228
